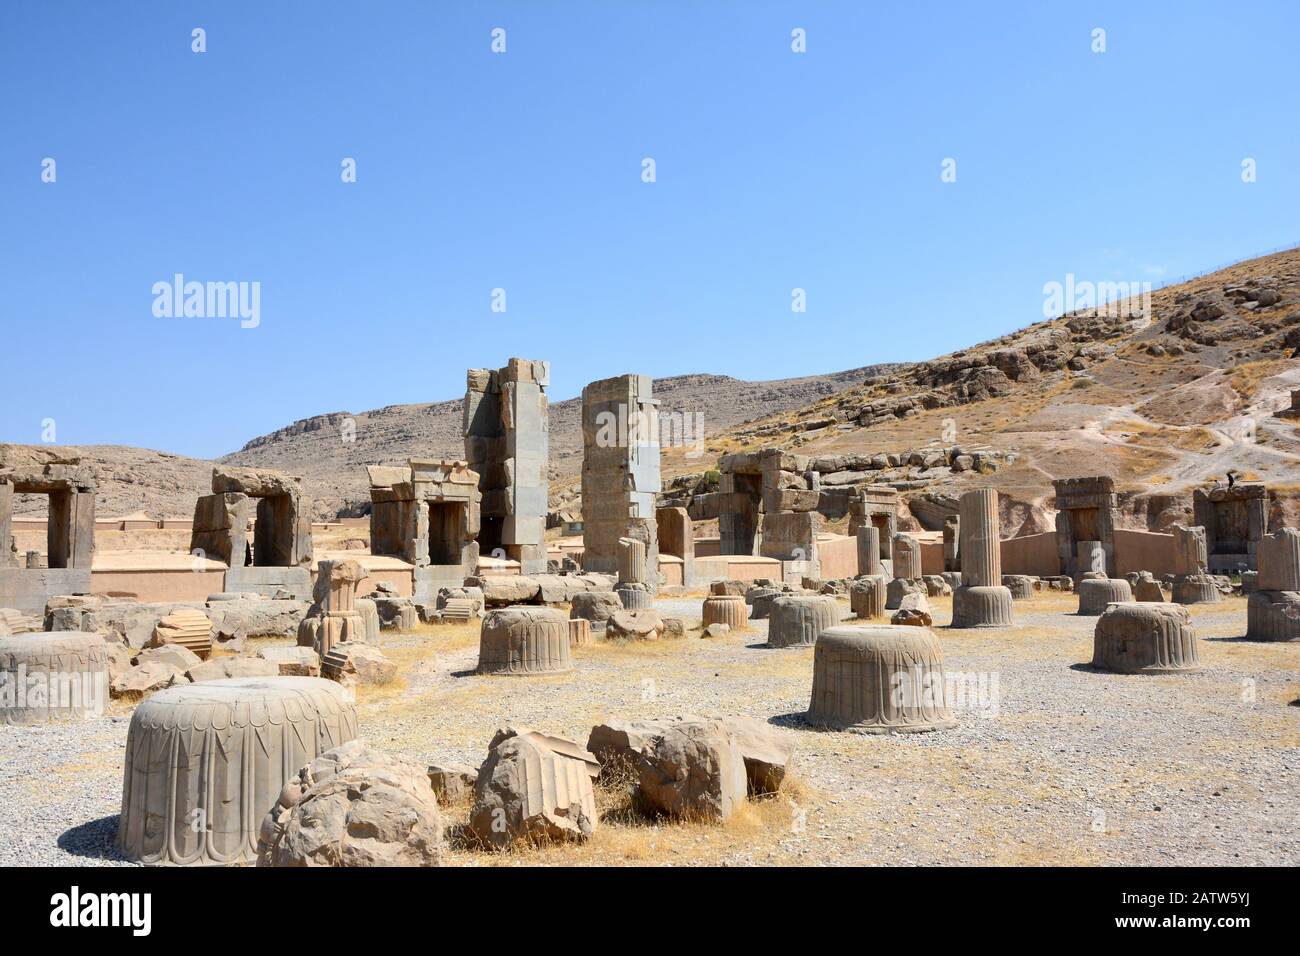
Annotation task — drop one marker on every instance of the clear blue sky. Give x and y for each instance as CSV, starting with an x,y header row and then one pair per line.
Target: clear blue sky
x,y
522,171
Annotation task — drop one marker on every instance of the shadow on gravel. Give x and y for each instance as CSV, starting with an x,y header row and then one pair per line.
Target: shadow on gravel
x,y
1231,640
794,721
95,840
469,673
1088,669
761,646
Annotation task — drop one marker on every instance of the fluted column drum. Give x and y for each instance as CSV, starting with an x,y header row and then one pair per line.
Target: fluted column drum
x,y
868,549
206,762
1096,593
1273,616
579,631
1145,638
867,596
979,546
524,640
881,679
907,557
797,621
726,609
982,607
631,561
52,675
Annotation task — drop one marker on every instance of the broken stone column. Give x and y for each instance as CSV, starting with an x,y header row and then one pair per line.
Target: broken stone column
x,y
632,588
1191,557
982,600
52,675
534,788
620,474
1141,638
907,557
726,609
797,621
1096,594
337,617
881,679
206,762
867,596
506,428
524,640
1091,558
868,550
1273,608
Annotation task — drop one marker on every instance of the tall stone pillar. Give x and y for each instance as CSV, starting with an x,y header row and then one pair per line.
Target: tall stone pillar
x,y
1273,610
868,550
951,544
982,600
620,473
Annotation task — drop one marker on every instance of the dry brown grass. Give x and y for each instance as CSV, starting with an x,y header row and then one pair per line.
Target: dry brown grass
x,y
1246,378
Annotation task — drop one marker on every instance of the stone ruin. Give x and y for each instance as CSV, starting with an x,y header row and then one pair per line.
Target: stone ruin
x,y
982,600
1273,608
427,513
879,679
70,533
1133,638
768,508
1086,511
334,617
1191,584
70,668
506,428
1294,410
524,640
221,751
876,507
620,473
280,553
1234,519
677,538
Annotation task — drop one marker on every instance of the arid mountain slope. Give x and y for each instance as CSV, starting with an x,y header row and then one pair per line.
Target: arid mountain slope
x,y
1163,399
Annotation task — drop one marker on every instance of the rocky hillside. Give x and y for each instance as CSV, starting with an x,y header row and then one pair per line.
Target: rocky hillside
x,y
330,451
1163,398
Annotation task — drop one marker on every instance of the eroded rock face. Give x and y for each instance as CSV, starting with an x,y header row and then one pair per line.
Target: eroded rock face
x,y
693,769
529,790
145,678
596,606
354,806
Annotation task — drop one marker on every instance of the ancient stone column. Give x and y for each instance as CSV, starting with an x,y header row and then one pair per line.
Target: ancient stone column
x,y
1273,608
1091,557
951,544
798,620
1191,557
882,679
206,762
868,550
907,557
632,587
868,595
1145,639
982,600
524,640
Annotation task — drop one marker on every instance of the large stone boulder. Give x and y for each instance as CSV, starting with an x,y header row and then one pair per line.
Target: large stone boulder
x,y
354,806
533,788
596,607
219,668
292,661
693,770
173,654
136,682
644,625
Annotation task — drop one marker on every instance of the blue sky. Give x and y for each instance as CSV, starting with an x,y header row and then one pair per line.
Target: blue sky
x,y
523,171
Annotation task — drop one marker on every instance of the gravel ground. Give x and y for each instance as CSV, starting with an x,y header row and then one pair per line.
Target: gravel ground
x,y
1057,764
